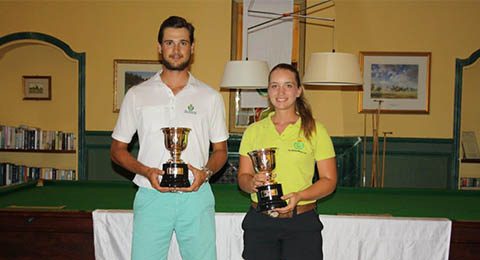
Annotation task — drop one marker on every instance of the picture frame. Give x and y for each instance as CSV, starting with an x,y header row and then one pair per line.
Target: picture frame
x,y
469,145
37,87
128,73
395,82
241,117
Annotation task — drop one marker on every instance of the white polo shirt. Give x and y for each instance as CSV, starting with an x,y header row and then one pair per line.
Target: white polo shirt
x,y
151,105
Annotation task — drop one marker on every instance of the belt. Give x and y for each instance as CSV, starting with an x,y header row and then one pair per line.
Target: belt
x,y
300,210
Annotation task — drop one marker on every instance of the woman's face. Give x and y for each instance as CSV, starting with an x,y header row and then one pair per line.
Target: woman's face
x,y
283,89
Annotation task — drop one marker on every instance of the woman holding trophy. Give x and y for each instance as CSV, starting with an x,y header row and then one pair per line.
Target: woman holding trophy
x,y
278,155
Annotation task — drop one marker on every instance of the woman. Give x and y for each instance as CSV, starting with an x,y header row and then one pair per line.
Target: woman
x,y
295,232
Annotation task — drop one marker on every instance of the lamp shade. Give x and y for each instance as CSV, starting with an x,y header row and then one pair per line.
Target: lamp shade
x,y
245,74
333,69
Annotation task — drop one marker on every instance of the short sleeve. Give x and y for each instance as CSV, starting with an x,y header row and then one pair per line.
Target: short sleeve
x,y
126,125
246,143
323,144
218,127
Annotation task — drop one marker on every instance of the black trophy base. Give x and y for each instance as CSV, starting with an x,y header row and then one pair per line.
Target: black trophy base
x,y
269,197
176,175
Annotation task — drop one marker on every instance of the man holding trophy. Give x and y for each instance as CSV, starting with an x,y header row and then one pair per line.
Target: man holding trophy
x,y
176,118
278,155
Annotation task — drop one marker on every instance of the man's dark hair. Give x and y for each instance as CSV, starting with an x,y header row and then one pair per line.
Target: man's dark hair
x,y
175,22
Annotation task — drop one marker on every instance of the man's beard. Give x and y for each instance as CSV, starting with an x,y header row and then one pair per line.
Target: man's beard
x,y
178,67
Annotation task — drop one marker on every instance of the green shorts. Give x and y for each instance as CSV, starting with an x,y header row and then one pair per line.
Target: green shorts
x,y
191,215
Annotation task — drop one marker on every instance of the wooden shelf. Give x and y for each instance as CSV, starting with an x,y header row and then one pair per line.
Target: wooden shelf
x,y
465,160
470,188
36,151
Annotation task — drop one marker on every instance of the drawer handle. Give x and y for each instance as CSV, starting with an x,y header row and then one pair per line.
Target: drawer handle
x,y
30,220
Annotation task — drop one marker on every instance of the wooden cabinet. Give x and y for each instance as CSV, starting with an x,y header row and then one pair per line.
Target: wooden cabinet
x,y
46,235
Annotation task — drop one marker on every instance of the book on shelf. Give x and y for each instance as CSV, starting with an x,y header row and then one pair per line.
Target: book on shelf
x,y
15,174
33,138
470,182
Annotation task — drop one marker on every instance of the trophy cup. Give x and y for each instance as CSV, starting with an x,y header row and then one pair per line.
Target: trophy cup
x,y
176,170
268,195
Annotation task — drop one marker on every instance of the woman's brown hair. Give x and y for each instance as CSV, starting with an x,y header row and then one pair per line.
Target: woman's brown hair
x,y
302,106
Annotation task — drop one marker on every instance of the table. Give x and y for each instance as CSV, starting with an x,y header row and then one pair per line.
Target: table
x,y
57,233
345,237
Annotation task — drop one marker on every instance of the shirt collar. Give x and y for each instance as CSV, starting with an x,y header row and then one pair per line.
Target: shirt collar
x,y
190,83
296,125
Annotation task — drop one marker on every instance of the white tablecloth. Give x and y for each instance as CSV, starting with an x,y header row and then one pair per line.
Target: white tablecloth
x,y
344,237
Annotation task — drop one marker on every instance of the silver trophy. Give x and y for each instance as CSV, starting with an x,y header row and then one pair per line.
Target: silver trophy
x,y
176,170
268,195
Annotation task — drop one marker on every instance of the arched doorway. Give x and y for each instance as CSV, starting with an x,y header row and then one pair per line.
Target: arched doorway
x,y
80,58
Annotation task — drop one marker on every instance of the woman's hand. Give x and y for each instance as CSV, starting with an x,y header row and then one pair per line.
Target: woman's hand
x,y
293,198
258,180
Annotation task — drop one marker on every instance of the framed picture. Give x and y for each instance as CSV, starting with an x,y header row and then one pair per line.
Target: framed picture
x,y
37,88
395,82
248,106
128,73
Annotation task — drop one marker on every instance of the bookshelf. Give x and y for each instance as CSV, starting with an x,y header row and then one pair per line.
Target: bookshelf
x,y
469,175
465,160
62,71
17,167
36,151
469,183
470,188
44,154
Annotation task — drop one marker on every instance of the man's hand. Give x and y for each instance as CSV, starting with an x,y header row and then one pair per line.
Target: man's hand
x,y
122,157
199,179
152,175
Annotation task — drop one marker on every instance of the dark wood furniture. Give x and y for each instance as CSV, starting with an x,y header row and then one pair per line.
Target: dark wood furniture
x,y
67,233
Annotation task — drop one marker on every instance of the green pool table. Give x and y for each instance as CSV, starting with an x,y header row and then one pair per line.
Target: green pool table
x,y
54,221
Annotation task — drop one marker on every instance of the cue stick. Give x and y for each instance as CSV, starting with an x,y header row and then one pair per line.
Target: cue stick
x,y
364,175
377,155
384,149
377,166
372,174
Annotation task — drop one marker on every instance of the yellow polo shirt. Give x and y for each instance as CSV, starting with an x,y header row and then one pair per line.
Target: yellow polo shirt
x,y
295,156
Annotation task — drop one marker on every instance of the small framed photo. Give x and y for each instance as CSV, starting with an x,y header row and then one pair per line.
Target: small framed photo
x,y
249,105
128,73
395,82
37,87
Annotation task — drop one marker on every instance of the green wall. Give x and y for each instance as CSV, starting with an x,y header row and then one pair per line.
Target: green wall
x,y
409,163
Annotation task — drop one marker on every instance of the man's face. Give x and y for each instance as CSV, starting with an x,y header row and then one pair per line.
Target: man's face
x,y
176,48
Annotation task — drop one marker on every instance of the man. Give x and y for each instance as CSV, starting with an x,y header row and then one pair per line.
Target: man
x,y
172,98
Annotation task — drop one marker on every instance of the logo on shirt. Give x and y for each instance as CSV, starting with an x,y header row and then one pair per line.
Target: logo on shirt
x,y
299,144
190,110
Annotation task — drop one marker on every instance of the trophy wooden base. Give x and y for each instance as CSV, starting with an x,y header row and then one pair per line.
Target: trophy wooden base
x,y
176,175
269,197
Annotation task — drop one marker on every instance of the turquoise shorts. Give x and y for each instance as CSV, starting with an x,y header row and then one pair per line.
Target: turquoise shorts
x,y
191,215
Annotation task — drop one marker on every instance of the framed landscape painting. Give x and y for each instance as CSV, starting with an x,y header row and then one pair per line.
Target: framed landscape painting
x,y
128,73
37,88
395,82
